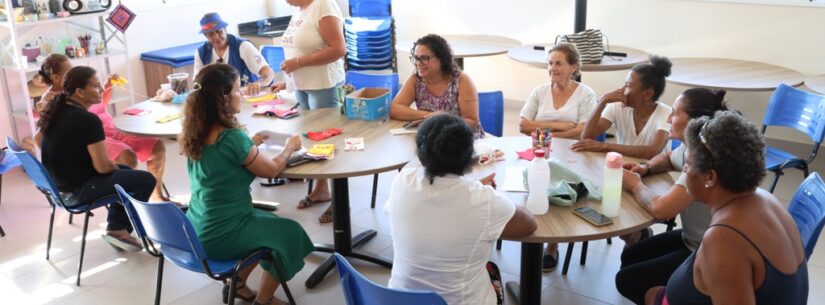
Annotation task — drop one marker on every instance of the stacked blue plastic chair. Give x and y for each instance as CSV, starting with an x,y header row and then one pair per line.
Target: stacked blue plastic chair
x,y
796,109
491,112
359,290
165,225
808,211
41,179
370,36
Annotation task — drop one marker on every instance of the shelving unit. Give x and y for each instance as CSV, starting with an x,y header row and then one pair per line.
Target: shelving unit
x,y
16,74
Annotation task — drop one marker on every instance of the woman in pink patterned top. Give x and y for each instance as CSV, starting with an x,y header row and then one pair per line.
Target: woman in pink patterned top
x,y
437,85
122,148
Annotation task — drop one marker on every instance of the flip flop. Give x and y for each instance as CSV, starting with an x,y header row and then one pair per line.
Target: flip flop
x,y
326,217
307,202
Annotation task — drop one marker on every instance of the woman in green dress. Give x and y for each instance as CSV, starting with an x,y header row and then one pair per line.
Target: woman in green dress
x,y
222,163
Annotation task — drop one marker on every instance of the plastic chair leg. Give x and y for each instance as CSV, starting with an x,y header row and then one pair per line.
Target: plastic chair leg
x,y
609,241
288,293
567,258
583,258
311,184
49,239
2,233
498,244
776,176
71,217
159,281
82,247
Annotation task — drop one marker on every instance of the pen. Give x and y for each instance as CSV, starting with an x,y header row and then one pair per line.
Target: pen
x,y
295,106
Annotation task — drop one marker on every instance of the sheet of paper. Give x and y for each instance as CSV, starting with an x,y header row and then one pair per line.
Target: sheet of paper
x,y
514,179
275,144
400,131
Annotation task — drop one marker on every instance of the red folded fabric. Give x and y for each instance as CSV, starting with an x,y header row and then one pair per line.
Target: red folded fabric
x,y
526,154
318,136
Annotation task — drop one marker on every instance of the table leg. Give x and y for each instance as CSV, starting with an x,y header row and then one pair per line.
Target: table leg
x,y
528,290
580,21
342,231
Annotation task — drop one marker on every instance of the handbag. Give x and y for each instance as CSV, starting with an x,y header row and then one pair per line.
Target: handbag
x,y
590,44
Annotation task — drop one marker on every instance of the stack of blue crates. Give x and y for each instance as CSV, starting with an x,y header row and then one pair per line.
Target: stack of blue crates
x,y
370,36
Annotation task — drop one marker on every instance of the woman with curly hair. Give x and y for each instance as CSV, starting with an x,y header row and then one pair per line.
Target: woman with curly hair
x,y
222,162
437,85
752,253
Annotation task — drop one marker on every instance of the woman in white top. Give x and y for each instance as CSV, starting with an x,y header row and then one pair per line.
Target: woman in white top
x,y
443,224
641,122
314,48
563,104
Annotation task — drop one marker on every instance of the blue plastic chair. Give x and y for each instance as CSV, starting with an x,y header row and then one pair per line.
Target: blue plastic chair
x,y
370,8
808,210
359,290
796,109
674,143
7,163
41,179
165,225
273,55
491,112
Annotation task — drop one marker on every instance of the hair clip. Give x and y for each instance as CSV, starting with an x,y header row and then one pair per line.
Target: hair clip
x,y
197,86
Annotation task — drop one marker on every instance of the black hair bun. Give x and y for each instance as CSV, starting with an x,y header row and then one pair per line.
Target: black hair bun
x,y
661,65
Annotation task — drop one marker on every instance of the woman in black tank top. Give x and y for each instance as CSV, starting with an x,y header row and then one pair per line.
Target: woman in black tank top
x,y
752,254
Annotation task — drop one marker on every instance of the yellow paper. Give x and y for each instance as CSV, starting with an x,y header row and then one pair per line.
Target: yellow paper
x,y
262,98
169,118
322,150
119,81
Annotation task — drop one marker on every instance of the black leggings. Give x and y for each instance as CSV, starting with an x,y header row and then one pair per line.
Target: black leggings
x,y
137,183
649,263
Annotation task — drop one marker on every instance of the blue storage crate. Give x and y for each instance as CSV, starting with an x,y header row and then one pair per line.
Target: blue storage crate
x,y
371,104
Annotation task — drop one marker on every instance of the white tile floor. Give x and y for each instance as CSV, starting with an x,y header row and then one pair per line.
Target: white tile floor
x,y
128,278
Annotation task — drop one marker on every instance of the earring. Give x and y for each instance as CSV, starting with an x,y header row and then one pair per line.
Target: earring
x,y
707,185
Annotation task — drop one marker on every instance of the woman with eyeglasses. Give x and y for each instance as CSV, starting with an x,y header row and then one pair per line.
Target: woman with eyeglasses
x,y
650,262
224,48
314,47
437,85
752,252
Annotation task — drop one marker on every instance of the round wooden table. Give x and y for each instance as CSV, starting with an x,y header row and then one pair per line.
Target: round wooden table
x,y
560,224
538,58
816,83
469,46
731,74
383,152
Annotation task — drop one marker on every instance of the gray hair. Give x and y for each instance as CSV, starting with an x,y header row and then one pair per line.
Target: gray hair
x,y
571,55
730,145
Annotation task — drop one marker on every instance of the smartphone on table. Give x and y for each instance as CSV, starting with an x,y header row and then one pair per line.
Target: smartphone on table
x,y
593,217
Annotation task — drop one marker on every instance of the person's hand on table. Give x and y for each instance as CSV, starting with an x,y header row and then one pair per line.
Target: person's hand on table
x,y
293,143
640,168
259,138
290,65
252,89
489,180
630,180
278,87
588,145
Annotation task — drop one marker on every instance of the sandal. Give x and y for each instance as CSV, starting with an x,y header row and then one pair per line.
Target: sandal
x,y
269,302
327,216
238,287
307,202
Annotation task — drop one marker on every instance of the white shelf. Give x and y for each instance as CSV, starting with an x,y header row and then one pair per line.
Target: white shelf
x,y
26,24
23,115
35,66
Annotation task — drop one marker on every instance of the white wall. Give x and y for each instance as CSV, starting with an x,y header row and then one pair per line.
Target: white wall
x,y
782,35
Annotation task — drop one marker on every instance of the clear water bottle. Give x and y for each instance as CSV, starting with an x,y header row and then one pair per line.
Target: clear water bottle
x,y
538,177
612,186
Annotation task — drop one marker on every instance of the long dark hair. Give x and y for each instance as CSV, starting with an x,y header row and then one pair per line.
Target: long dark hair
x,y
441,49
701,102
207,106
77,78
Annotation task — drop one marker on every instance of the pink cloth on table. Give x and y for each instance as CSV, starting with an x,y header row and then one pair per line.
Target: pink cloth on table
x,y
117,142
270,103
526,154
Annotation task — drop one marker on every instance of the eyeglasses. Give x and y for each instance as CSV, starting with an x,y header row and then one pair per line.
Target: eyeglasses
x,y
424,59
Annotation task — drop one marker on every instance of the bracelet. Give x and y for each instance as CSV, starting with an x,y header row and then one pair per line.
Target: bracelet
x,y
298,61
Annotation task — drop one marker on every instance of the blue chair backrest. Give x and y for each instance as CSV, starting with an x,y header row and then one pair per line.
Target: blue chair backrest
x,y
359,290
166,225
491,112
274,55
797,109
36,172
370,8
674,143
360,80
130,210
808,210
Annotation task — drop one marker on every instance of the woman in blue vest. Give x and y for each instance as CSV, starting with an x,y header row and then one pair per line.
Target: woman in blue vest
x,y
221,47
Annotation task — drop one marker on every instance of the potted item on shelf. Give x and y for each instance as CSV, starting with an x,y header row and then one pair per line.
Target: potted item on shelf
x,y
84,42
31,52
100,48
70,52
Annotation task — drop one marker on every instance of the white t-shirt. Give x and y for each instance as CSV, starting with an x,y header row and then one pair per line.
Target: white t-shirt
x,y
250,55
696,217
622,119
443,234
539,105
303,37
